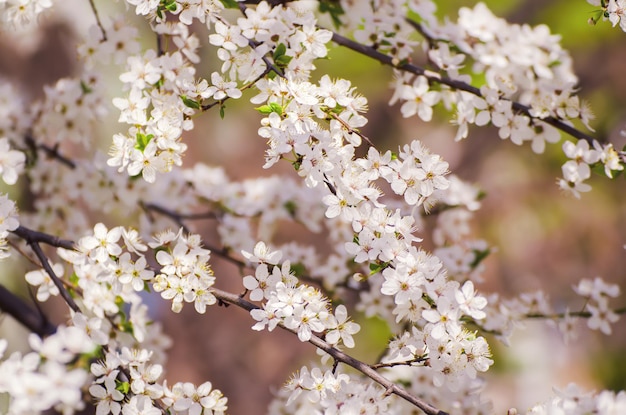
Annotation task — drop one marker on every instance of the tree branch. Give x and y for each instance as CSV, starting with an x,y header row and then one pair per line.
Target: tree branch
x,y
434,77
50,151
95,13
25,314
33,238
340,356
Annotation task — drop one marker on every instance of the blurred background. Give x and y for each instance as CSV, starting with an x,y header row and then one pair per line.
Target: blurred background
x,y
544,239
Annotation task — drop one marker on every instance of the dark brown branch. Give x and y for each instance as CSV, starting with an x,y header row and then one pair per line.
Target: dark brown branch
x,y
57,281
95,13
24,314
33,238
340,356
434,77
420,29
556,316
179,216
179,220
419,359
52,152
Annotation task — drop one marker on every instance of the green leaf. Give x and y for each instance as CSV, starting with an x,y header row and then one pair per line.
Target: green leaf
x,y
598,168
222,109
283,60
191,103
429,300
270,108
480,255
85,88
279,51
334,9
143,140
74,279
298,269
170,5
123,387
291,207
280,58
375,268
230,4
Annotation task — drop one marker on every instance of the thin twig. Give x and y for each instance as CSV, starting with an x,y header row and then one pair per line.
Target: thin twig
x,y
350,129
52,152
57,281
95,13
33,238
419,359
179,220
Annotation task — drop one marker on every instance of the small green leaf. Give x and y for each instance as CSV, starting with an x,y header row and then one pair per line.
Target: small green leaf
x,y
85,88
142,141
264,109
170,5
279,51
283,60
334,9
429,300
375,267
298,269
191,103
222,109
291,207
270,108
230,4
480,255
123,387
598,168
74,279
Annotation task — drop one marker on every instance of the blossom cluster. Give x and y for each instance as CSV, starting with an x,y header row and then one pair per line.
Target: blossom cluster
x,y
597,294
574,401
20,13
47,377
300,308
578,168
142,393
369,202
109,275
185,272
